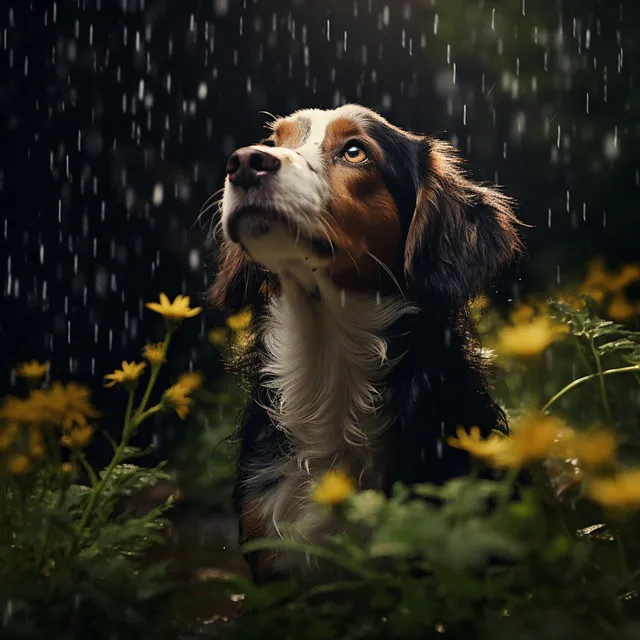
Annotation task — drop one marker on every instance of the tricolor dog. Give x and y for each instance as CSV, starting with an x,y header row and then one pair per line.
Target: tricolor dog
x,y
359,247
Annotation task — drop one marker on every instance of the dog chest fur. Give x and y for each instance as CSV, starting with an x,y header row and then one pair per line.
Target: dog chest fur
x,y
325,367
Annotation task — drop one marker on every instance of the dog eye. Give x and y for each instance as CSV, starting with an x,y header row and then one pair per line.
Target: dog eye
x,y
354,154
268,142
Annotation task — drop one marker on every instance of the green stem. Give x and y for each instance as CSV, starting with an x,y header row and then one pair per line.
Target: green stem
x,y
127,415
41,554
536,371
509,484
88,468
603,390
579,381
155,371
330,587
53,445
97,490
138,420
3,513
319,552
621,554
583,357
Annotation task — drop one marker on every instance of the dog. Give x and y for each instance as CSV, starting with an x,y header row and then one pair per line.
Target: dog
x,y
359,247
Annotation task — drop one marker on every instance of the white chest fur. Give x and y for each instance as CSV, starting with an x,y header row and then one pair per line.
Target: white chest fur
x,y
326,363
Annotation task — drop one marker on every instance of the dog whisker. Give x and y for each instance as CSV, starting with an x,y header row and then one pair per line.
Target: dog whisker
x,y
388,271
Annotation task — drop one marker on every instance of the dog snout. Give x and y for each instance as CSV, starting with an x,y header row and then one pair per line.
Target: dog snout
x,y
246,166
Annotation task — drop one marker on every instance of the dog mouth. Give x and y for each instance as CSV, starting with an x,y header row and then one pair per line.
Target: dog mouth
x,y
250,223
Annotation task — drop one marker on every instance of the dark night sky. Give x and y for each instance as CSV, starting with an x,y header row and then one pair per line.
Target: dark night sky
x,y
118,118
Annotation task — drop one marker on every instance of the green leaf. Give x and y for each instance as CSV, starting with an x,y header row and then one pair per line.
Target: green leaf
x,y
265,597
623,344
136,452
366,507
477,542
633,358
585,322
127,479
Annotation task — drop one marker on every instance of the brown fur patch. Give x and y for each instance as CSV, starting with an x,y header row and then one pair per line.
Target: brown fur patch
x,y
232,267
238,281
363,216
289,133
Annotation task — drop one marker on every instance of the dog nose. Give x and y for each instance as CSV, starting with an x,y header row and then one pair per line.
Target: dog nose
x,y
246,166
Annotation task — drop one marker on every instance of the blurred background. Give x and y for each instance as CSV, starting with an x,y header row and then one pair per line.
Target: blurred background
x,y
118,116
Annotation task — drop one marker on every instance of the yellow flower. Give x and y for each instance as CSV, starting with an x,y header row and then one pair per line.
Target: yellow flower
x,y
77,438
17,409
474,444
240,320
522,313
621,491
621,309
126,376
334,487
18,464
190,381
70,404
67,468
33,370
36,443
60,405
218,336
599,282
534,438
593,448
155,353
176,396
629,274
528,339
8,435
177,310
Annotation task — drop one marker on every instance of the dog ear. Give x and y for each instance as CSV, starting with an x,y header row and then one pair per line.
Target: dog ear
x,y
461,232
237,284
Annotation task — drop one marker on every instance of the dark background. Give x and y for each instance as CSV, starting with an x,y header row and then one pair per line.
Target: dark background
x,y
117,118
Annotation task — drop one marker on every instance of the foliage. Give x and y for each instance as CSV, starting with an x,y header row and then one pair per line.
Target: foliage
x,y
457,569
205,460
551,553
69,551
547,551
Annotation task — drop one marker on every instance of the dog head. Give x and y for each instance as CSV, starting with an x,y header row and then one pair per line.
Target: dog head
x,y
346,194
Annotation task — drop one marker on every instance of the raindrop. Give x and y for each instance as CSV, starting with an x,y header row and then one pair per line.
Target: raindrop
x,y
221,7
611,147
158,194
